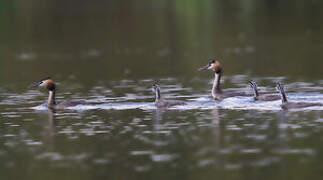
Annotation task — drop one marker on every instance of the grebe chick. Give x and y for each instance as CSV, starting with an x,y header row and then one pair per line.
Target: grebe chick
x,y
262,97
217,92
292,105
51,87
163,103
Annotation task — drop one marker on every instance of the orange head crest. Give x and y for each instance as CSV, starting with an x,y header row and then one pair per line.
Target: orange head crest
x,y
46,82
213,65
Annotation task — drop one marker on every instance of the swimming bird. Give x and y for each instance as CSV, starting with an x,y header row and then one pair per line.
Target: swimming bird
x,y
292,105
49,84
163,103
217,92
262,97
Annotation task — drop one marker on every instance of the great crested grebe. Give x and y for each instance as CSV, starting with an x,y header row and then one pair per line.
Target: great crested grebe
x,y
163,103
262,97
292,105
217,93
49,84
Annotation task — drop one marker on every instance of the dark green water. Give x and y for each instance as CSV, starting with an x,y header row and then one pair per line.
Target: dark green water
x,y
110,52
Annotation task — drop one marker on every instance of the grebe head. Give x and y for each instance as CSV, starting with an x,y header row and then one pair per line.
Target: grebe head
x,y
156,90
155,87
253,84
280,87
213,65
46,83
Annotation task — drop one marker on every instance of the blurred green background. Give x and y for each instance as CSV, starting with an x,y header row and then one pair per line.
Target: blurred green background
x,y
105,40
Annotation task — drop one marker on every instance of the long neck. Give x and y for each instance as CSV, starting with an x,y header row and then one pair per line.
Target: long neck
x,y
157,94
216,84
255,92
283,96
51,99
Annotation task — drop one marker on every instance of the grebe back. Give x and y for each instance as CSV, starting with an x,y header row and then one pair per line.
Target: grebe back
x,y
217,92
292,105
262,97
49,84
163,103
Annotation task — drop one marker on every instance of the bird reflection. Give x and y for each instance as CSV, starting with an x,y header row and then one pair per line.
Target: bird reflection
x,y
49,130
158,116
282,126
218,128
51,126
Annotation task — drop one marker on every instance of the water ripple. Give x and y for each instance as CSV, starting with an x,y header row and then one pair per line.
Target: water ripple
x,y
203,103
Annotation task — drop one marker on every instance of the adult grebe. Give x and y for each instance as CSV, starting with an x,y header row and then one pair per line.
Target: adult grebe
x,y
262,97
292,105
51,87
163,103
217,92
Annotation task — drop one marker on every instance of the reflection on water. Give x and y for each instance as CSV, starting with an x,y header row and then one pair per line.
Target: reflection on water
x,y
122,135
109,53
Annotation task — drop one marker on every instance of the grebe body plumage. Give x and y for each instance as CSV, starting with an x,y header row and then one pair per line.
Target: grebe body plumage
x,y
292,105
163,103
49,84
217,92
262,97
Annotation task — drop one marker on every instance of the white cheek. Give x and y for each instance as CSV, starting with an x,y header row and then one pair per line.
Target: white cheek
x,y
211,67
42,84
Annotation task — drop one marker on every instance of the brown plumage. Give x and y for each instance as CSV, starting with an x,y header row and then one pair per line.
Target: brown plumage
x,y
217,92
292,105
49,84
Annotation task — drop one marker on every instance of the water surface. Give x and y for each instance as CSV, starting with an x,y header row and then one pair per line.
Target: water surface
x,y
110,53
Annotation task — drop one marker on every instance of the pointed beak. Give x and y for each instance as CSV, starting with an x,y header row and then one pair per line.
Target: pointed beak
x,y
279,87
250,83
204,68
35,84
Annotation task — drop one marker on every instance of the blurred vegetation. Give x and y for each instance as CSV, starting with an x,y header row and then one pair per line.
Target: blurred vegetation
x,y
127,39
